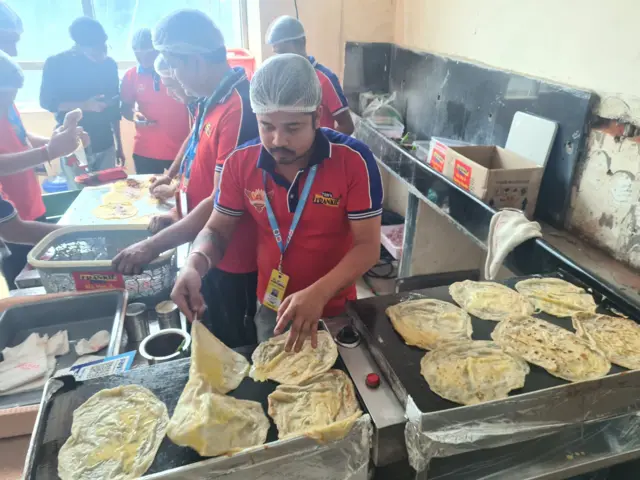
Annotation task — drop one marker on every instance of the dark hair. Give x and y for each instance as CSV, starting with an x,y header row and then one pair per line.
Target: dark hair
x,y
87,32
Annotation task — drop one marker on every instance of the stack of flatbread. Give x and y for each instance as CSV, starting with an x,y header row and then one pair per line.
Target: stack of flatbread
x,y
556,297
312,400
489,300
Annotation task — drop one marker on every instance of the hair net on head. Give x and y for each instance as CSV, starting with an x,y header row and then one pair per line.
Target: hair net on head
x,y
284,29
161,67
187,32
141,40
10,22
11,77
285,83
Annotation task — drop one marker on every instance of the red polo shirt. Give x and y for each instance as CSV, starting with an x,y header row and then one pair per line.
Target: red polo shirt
x,y
228,123
347,188
22,189
334,100
161,140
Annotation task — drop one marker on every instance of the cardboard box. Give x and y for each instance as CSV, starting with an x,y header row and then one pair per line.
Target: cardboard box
x,y
500,178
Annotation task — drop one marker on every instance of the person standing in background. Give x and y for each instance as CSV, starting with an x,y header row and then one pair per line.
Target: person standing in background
x,y
85,77
162,123
286,35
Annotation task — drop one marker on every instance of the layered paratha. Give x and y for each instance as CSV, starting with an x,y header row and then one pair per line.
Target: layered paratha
x,y
490,300
556,296
115,211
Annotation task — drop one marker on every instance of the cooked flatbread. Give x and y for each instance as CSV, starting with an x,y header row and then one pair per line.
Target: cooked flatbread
x,y
558,351
116,198
489,300
471,372
427,323
618,338
115,435
115,211
271,362
323,407
214,424
556,297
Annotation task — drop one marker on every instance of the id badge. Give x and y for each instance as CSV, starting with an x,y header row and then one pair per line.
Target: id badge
x,y
276,289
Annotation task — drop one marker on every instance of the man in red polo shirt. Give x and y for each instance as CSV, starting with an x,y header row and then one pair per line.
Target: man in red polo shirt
x,y
162,123
194,48
316,198
286,35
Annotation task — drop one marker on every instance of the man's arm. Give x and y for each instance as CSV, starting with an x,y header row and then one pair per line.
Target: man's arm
x,y
344,122
19,162
17,230
175,166
37,140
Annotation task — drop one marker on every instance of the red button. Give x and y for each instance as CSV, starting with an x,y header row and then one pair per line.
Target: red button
x,y
373,380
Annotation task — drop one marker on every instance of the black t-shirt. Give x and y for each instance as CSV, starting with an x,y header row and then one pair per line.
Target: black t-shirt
x,y
71,76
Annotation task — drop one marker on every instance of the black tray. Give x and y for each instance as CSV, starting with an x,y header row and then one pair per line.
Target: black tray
x,y
81,315
403,361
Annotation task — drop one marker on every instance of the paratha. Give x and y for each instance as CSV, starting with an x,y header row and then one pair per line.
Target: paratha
x,y
115,198
489,300
427,323
114,435
558,351
271,362
618,338
556,296
115,211
323,407
471,372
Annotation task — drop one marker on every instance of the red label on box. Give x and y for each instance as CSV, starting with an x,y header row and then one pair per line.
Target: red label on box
x,y
97,280
462,174
437,157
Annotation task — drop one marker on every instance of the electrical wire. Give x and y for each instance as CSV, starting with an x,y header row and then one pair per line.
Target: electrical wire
x,y
295,4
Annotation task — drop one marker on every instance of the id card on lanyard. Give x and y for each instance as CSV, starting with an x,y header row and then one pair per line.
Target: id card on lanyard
x,y
278,281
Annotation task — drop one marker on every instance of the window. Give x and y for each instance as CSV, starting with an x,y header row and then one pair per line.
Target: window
x,y
46,27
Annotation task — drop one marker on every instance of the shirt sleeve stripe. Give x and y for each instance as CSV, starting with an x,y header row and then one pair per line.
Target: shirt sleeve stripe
x,y
337,89
364,215
218,168
228,211
340,110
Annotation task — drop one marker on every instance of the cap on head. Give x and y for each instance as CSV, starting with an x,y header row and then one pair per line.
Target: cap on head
x,y
188,32
141,40
284,29
285,83
87,32
11,77
10,22
162,67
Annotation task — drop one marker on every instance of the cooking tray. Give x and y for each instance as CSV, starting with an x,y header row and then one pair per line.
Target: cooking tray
x,y
402,362
81,315
165,380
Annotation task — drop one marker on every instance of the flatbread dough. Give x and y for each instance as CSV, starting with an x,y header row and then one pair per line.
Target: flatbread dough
x,y
115,435
271,362
427,323
556,297
324,407
490,300
115,211
618,338
473,372
558,351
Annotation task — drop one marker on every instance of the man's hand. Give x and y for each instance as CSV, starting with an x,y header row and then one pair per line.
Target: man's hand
x,y
164,192
186,293
120,158
303,310
64,142
95,104
132,259
160,222
159,180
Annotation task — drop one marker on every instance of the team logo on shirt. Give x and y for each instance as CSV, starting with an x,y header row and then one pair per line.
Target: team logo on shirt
x,y
326,198
208,129
257,198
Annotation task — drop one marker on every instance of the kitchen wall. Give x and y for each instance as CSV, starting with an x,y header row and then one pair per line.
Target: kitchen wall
x,y
588,44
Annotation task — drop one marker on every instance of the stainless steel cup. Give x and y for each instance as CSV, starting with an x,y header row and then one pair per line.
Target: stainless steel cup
x,y
168,315
136,322
165,345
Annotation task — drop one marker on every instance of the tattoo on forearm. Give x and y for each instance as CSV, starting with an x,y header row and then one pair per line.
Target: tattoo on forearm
x,y
210,242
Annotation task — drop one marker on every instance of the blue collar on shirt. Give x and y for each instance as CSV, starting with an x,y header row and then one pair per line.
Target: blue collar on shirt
x,y
150,71
313,61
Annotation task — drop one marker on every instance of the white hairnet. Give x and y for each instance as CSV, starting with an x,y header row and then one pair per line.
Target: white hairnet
x,y
284,29
285,83
141,40
187,32
11,77
161,67
9,20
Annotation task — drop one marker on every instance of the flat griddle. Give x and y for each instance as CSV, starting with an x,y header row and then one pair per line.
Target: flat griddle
x,y
402,362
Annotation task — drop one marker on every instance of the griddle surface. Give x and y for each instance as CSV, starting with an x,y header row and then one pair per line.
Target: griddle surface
x,y
404,360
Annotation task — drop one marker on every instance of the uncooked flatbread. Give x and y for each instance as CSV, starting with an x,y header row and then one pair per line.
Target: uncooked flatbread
x,y
489,300
618,338
115,435
115,211
471,372
271,362
214,424
427,323
556,297
558,351
116,198
323,407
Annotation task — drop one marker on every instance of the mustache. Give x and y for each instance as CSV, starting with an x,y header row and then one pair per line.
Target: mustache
x,y
281,150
